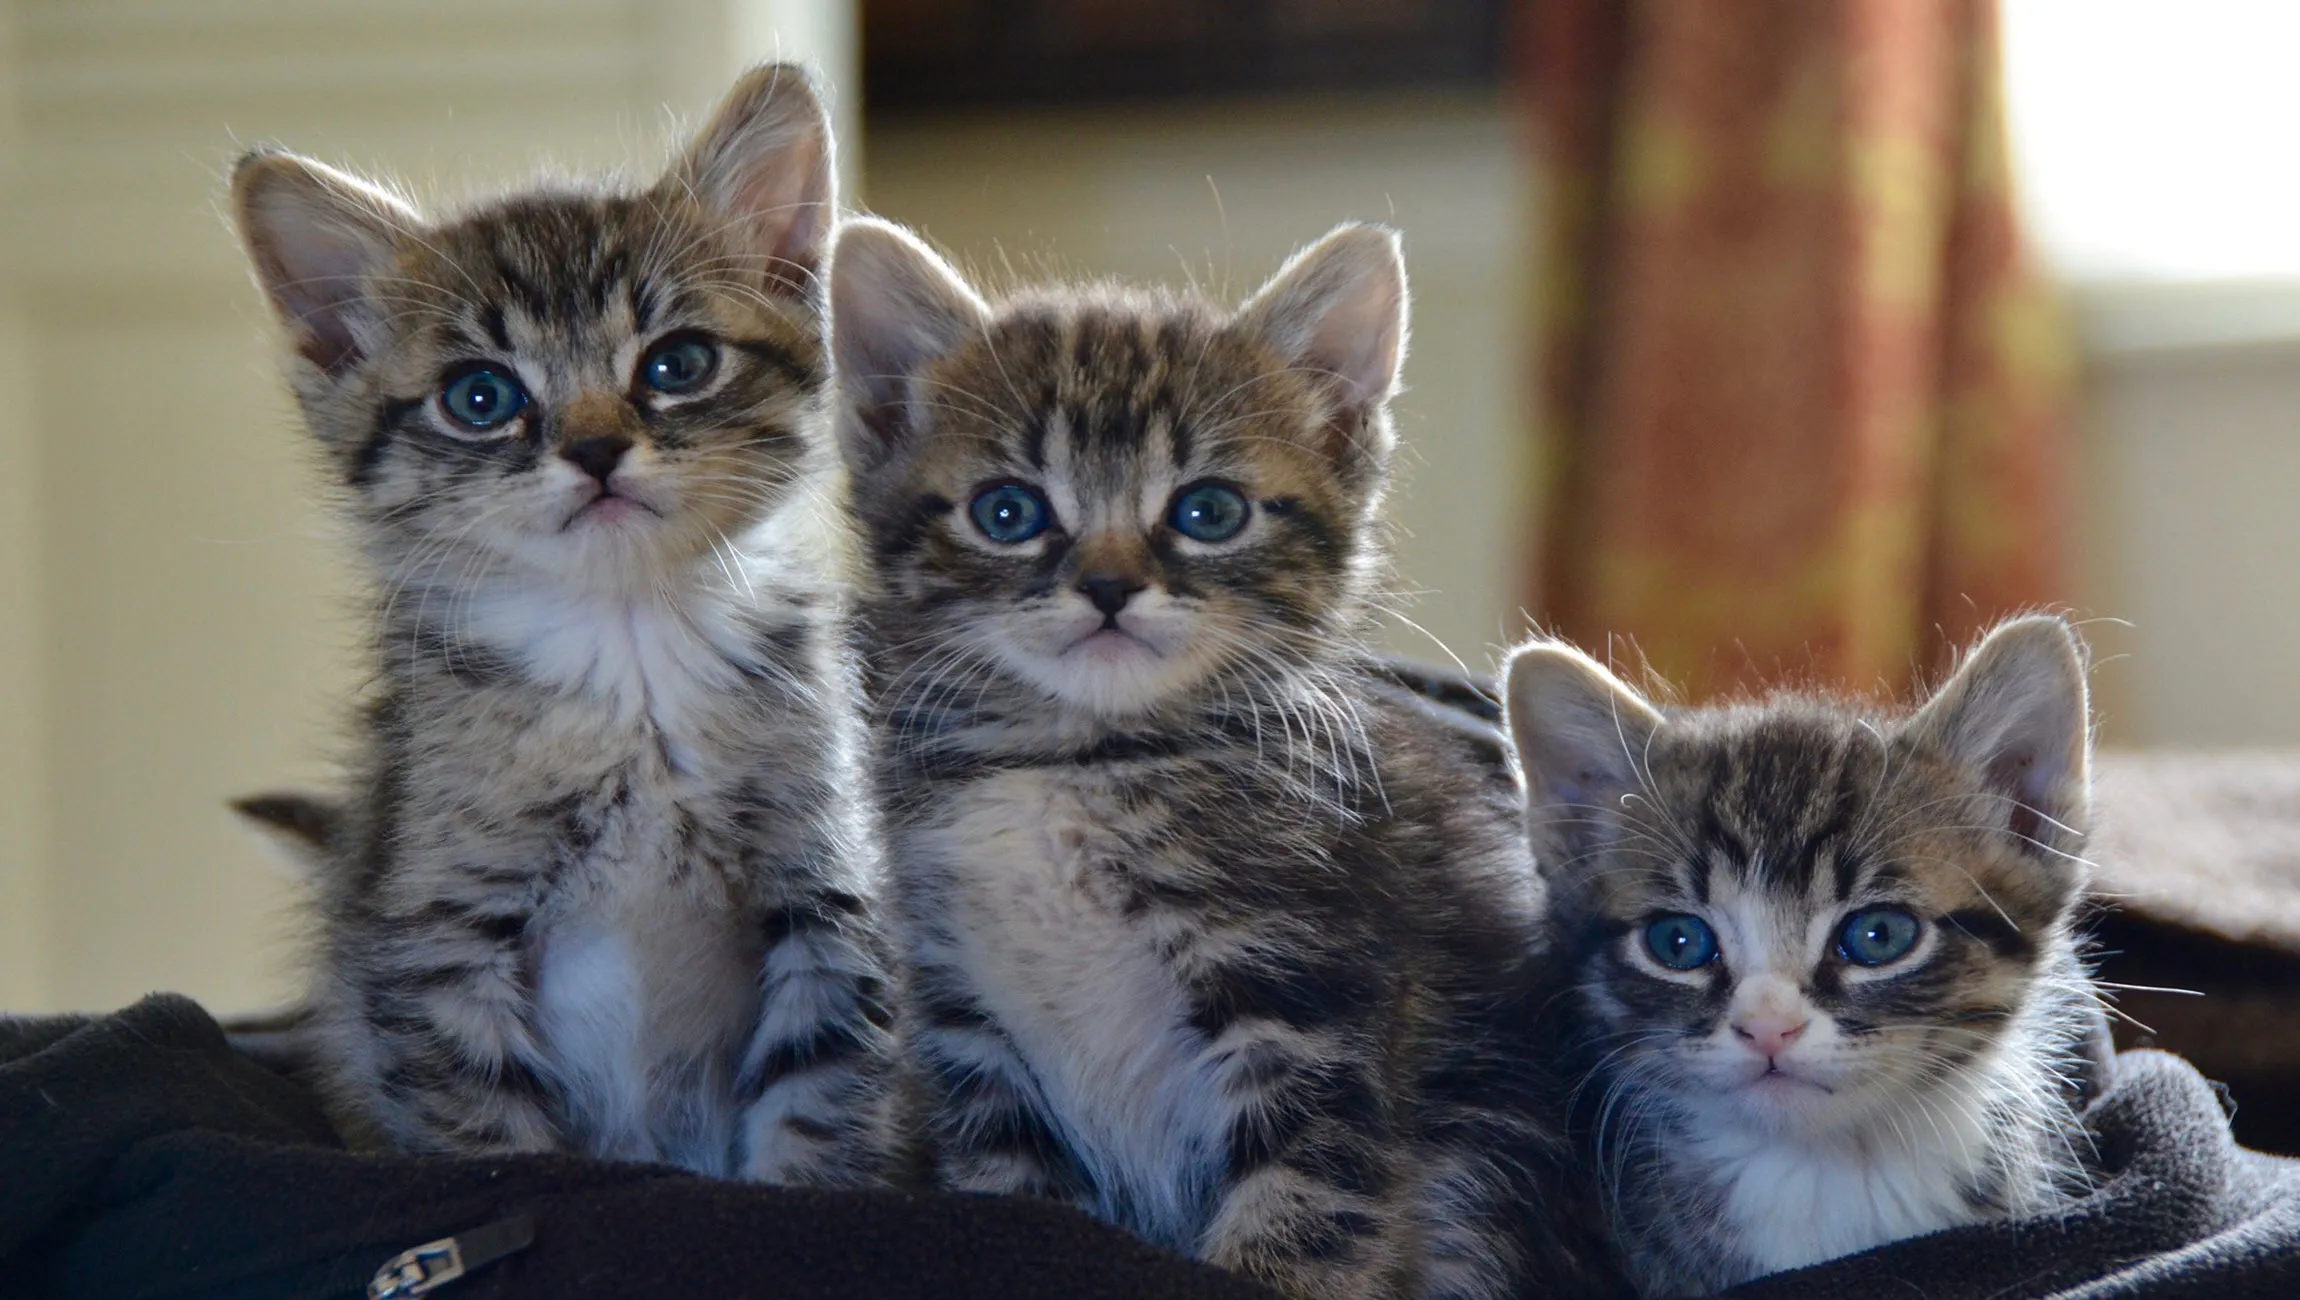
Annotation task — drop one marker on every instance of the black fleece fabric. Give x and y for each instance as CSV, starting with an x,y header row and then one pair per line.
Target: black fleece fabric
x,y
141,1157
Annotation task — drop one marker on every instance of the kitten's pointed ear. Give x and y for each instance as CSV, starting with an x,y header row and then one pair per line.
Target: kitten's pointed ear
x,y
315,235
2016,711
763,167
1581,738
1337,311
895,307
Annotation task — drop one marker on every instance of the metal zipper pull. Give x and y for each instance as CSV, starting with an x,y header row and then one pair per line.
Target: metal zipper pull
x,y
434,1264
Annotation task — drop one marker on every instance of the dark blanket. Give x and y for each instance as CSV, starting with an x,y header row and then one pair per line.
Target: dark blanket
x,y
141,1157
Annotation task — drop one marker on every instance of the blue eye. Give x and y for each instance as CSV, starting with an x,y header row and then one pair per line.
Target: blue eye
x,y
482,398
1010,513
1876,935
1209,512
678,365
1681,942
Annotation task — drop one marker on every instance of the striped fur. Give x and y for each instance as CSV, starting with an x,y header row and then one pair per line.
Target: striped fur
x,y
1216,932
602,883
1784,1103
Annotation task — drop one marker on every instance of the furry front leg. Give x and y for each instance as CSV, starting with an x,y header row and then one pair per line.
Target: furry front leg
x,y
989,1125
433,1045
1499,1214
819,1074
1310,1201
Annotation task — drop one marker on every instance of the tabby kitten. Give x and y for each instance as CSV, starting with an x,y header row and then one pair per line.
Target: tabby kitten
x,y
1213,931
1824,958
604,885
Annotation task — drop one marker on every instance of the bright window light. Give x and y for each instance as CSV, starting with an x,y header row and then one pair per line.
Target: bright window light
x,y
2158,140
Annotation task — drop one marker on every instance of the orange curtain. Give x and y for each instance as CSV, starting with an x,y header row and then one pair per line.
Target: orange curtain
x,y
1803,397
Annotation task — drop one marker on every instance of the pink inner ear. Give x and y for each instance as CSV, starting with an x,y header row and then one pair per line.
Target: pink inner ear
x,y
1357,346
2017,777
792,221
769,179
317,281
325,338
2026,821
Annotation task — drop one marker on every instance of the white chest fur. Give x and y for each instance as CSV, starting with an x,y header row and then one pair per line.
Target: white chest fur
x,y
646,979
651,656
1082,990
1794,1203
643,1002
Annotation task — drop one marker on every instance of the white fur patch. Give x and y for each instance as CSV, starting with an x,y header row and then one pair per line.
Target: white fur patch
x,y
1083,992
641,655
587,998
1797,1202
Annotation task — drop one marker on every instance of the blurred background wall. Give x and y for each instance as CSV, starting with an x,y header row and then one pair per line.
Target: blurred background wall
x,y
177,627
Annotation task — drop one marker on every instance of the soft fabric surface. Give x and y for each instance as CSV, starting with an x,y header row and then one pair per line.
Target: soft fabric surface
x,y
141,1157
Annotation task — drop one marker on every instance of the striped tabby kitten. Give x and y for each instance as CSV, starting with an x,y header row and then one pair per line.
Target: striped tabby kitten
x,y
1825,961
604,885
1214,933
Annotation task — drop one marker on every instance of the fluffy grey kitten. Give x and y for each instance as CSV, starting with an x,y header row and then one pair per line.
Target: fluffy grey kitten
x,y
1217,932
603,883
1823,957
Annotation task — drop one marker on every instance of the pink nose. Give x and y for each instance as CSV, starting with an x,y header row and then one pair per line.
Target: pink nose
x,y
1769,1035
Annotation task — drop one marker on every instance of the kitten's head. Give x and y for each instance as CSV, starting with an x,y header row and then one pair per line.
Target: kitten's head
x,y
580,381
1118,500
1796,917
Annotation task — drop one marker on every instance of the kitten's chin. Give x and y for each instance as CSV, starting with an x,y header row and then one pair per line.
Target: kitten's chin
x,y
1748,1096
612,512
610,544
1818,1105
1783,1100
1111,675
1110,681
1111,649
